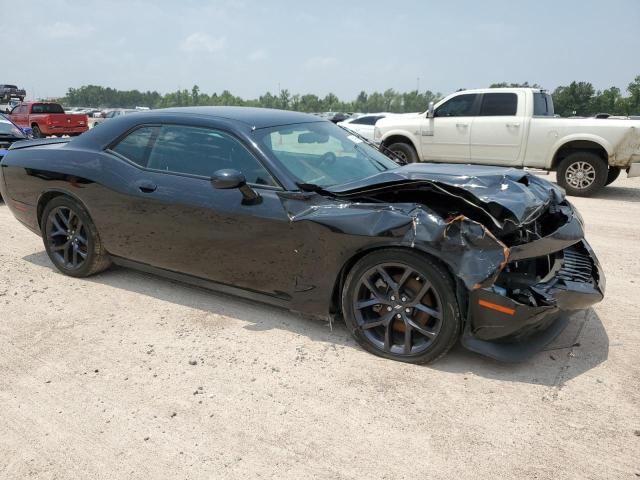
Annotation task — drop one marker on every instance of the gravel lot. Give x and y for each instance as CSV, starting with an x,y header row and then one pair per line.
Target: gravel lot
x,y
128,376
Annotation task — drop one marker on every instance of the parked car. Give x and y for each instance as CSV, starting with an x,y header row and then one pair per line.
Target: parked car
x,y
10,105
292,210
111,113
364,124
516,127
47,118
7,92
9,134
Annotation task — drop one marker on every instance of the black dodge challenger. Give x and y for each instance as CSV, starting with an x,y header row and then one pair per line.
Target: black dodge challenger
x,y
291,210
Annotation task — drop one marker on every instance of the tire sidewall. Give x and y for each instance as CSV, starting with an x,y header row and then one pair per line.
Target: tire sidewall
x,y
612,175
37,133
78,210
410,154
600,167
441,281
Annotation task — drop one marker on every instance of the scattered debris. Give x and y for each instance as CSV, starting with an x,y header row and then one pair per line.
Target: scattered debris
x,y
193,362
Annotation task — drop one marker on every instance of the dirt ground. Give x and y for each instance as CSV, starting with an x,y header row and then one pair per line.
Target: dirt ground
x,y
127,376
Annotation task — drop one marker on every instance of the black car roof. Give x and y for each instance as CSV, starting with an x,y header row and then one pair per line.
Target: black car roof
x,y
253,117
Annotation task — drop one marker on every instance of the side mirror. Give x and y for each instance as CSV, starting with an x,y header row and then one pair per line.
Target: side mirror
x,y
430,110
229,178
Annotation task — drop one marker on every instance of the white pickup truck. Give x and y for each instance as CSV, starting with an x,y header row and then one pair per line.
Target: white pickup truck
x,y
516,127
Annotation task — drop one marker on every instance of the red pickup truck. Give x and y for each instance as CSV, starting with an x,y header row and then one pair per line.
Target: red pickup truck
x,y
47,118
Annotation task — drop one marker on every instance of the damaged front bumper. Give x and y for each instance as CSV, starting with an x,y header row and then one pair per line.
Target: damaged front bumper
x,y
523,311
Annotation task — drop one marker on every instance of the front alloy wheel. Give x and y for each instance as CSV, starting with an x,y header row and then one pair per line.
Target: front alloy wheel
x,y
401,305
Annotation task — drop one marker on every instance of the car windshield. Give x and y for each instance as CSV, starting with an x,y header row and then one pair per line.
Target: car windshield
x,y
8,129
323,154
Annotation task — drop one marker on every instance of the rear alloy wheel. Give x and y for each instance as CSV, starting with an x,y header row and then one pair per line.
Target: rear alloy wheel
x,y
582,174
614,172
71,239
401,305
404,152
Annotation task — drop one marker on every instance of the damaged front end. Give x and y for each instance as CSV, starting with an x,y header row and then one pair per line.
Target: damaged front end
x,y
512,239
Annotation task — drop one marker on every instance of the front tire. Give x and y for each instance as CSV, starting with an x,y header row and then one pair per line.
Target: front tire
x,y
71,239
582,174
404,152
401,305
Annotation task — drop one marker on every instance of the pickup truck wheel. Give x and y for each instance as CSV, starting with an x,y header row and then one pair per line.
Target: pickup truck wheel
x,y
36,132
404,151
614,172
582,174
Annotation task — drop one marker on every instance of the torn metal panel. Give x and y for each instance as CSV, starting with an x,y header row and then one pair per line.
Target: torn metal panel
x,y
468,248
507,195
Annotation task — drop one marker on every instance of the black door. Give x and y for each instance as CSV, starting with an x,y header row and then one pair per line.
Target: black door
x,y
173,218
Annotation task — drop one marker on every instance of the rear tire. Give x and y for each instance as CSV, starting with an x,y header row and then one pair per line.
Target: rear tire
x,y
37,133
71,239
582,174
614,172
401,305
404,151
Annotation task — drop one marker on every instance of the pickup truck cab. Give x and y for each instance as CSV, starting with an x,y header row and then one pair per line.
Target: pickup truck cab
x,y
516,127
46,118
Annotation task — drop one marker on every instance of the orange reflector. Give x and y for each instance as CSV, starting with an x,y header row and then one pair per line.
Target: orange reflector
x,y
495,306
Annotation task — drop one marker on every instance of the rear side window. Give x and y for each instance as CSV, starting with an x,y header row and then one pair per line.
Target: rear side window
x,y
542,105
137,145
368,120
460,106
499,104
46,108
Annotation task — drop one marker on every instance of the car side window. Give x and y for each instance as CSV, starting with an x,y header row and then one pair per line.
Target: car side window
x,y
368,120
203,151
499,104
460,106
137,145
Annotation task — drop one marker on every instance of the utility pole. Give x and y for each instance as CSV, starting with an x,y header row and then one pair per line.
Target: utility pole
x,y
418,85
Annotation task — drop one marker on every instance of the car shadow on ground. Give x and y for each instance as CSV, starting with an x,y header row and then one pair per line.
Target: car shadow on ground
x,y
622,194
583,345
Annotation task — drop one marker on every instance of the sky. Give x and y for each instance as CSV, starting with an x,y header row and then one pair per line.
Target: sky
x,y
253,46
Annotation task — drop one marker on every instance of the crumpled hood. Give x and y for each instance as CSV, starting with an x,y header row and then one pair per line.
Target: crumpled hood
x,y
507,194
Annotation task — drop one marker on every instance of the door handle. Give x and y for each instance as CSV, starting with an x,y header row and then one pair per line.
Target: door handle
x,y
515,125
146,186
465,125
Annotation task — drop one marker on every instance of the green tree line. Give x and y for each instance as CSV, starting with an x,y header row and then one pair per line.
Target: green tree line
x,y
577,98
